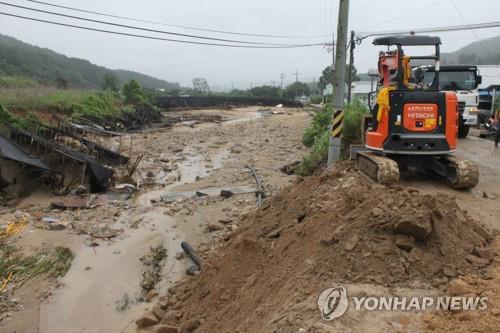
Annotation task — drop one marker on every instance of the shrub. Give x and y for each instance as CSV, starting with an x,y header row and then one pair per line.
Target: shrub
x,y
320,123
317,135
316,99
96,106
133,92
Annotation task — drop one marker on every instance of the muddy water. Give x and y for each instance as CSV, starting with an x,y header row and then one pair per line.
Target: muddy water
x,y
103,275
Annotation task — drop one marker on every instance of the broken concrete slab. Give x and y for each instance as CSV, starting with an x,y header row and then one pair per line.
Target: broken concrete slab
x,y
207,191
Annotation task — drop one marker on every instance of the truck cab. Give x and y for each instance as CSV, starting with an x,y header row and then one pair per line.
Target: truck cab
x,y
464,81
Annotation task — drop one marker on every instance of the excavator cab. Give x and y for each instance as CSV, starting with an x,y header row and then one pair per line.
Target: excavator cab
x,y
414,125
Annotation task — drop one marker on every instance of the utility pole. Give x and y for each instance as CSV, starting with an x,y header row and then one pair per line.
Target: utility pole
x,y
351,64
333,55
297,74
339,83
273,83
282,77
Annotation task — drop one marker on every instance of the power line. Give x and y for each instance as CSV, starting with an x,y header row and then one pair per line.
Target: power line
x,y
486,25
139,28
404,15
173,25
473,32
152,37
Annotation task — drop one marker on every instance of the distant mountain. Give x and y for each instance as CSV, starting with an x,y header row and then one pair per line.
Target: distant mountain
x,y
485,52
45,66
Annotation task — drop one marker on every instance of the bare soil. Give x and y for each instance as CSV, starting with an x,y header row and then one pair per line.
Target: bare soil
x,y
330,229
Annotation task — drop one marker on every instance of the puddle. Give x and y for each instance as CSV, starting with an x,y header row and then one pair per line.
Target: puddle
x,y
101,276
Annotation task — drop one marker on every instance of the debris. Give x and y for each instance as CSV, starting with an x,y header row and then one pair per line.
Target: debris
x,y
158,311
153,263
105,236
482,232
147,320
123,304
341,241
330,241
125,186
14,228
289,169
488,196
165,329
79,190
411,226
189,326
210,191
484,253
476,261
50,219
192,254
211,227
376,212
260,192
76,202
458,287
450,271
351,243
405,243
226,194
6,282
275,233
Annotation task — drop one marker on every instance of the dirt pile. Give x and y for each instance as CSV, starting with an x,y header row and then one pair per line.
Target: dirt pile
x,y
334,228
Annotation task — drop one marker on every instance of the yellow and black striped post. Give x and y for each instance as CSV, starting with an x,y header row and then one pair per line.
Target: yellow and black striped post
x,y
337,123
335,136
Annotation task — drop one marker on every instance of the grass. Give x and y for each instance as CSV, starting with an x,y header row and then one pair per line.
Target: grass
x,y
42,98
98,106
73,103
20,268
16,82
317,136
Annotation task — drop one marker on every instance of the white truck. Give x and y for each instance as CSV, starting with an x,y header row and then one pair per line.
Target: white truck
x,y
464,81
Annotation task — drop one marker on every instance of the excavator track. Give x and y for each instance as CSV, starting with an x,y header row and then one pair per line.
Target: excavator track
x,y
378,167
462,174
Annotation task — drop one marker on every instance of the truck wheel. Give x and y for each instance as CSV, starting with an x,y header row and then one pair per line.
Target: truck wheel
x,y
463,131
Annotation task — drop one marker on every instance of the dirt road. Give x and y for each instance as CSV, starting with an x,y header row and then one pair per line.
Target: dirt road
x,y
482,202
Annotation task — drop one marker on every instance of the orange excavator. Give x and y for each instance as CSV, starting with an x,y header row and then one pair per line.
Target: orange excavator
x,y
414,124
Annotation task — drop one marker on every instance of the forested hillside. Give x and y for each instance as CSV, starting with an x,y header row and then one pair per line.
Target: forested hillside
x,y
45,66
485,52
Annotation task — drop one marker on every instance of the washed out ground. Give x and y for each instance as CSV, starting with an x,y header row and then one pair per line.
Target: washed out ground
x,y
113,278
277,259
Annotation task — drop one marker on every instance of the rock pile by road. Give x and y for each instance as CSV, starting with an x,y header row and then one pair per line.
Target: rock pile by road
x,y
333,228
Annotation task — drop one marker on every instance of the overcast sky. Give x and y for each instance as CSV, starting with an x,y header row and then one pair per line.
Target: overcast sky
x,y
225,67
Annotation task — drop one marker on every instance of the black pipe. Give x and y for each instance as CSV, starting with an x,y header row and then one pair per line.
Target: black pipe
x,y
192,254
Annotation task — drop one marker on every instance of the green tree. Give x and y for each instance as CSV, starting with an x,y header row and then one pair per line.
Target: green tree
x,y
265,91
133,92
110,82
297,89
327,75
